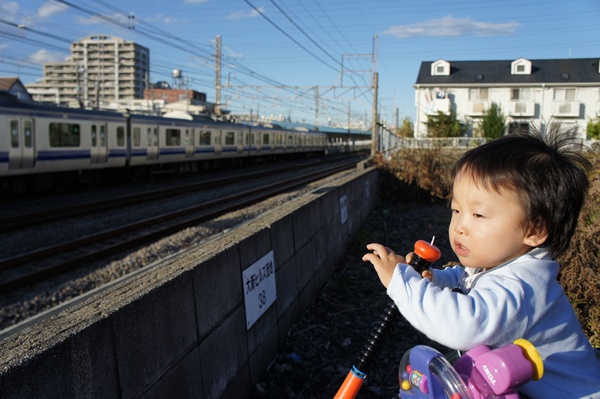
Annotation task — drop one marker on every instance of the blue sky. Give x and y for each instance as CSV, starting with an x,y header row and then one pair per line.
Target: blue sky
x,y
278,54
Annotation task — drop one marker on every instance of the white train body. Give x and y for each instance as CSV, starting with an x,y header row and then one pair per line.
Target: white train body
x,y
37,140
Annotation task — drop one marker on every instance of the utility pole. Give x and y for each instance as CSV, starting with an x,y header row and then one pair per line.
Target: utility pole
x,y
218,77
374,128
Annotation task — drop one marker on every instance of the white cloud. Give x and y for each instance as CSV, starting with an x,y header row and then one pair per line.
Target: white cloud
x,y
8,9
42,56
244,15
50,8
450,26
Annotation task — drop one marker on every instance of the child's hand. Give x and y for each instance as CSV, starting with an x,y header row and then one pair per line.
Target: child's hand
x,y
384,260
427,274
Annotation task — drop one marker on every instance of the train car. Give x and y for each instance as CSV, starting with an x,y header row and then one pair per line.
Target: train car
x,y
43,145
41,140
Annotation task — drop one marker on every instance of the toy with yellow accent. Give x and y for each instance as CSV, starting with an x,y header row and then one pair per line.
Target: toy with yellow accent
x,y
481,373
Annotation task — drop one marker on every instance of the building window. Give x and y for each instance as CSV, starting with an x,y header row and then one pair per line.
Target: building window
x,y
520,94
478,94
564,94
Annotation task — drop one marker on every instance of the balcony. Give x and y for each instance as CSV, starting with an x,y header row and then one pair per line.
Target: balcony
x,y
522,109
477,108
567,109
439,104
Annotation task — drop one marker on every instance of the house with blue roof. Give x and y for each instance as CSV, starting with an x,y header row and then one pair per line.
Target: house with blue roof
x,y
529,92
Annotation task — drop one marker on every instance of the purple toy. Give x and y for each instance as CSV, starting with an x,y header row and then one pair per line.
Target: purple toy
x,y
480,373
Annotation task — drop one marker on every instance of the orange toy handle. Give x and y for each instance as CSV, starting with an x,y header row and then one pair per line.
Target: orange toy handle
x,y
351,385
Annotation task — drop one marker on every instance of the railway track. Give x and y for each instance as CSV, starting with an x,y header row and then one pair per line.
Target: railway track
x,y
37,218
35,266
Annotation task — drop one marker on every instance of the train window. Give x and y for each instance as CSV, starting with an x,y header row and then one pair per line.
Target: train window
x,y
229,138
205,138
28,134
265,138
137,137
189,137
120,136
64,135
94,136
290,140
173,137
14,134
102,135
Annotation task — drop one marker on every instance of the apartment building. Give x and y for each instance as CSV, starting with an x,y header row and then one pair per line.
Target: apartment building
x,y
529,92
100,69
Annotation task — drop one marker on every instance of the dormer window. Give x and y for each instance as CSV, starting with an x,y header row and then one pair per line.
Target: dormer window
x,y
521,67
440,68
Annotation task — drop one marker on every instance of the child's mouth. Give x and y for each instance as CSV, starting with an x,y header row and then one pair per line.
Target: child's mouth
x,y
460,249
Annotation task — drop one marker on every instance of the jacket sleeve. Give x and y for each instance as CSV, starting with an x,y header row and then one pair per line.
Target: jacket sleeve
x,y
460,321
447,278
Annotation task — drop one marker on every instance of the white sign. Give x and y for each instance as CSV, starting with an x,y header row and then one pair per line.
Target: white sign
x,y
259,288
343,209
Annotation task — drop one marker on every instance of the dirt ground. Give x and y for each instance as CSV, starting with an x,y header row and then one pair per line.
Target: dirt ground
x,y
323,345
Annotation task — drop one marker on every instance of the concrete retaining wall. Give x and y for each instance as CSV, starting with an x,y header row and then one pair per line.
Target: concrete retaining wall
x,y
179,330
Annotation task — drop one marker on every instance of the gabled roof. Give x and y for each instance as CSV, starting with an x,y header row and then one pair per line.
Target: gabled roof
x,y
7,83
582,70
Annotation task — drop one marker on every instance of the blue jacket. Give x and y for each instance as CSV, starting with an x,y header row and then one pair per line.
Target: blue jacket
x,y
518,299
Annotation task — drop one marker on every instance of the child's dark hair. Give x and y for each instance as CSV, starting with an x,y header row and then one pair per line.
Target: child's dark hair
x,y
548,173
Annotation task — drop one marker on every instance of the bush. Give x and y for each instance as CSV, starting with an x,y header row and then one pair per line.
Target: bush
x,y
422,175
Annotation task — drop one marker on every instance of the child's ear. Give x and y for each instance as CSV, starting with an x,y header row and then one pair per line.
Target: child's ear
x,y
536,236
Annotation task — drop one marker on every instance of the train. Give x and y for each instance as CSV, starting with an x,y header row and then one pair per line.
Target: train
x,y
43,145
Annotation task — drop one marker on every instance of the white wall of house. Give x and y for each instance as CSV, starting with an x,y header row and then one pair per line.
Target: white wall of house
x,y
535,104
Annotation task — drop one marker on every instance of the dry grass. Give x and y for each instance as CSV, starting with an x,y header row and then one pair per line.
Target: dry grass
x,y
423,175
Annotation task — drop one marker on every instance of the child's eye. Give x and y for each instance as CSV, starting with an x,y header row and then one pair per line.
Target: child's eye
x,y
478,215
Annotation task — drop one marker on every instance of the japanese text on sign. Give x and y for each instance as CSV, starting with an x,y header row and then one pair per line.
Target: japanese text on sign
x,y
259,288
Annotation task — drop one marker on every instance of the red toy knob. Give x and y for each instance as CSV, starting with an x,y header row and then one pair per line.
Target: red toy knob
x,y
427,251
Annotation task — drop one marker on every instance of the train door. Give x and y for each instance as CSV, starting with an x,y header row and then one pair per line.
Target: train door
x,y
21,154
99,144
152,153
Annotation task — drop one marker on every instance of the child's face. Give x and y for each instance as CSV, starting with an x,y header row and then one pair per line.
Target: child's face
x,y
486,227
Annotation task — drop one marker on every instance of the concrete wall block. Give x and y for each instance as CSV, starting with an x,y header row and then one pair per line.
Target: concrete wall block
x,y
301,224
153,332
82,366
316,215
263,355
263,327
305,264
214,299
286,281
254,246
307,296
240,387
282,240
223,354
183,381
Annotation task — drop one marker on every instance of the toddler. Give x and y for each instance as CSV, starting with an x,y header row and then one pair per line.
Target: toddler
x,y
515,205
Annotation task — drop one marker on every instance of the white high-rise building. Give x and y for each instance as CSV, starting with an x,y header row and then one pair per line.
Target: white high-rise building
x,y
100,69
